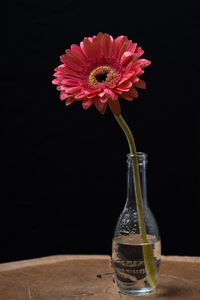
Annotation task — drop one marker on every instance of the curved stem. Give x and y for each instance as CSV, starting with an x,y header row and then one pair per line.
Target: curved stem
x,y
147,248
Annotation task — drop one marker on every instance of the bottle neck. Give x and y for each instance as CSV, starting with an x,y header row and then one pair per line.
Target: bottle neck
x,y
142,163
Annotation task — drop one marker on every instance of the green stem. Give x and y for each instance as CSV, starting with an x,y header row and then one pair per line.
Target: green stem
x,y
147,248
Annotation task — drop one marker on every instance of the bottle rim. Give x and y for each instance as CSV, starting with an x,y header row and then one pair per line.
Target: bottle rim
x,y
141,156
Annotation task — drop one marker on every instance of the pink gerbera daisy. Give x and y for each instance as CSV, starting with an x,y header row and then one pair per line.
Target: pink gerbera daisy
x,y
99,71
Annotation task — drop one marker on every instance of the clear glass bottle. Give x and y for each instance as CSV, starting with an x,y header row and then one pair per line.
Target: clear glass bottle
x,y
127,248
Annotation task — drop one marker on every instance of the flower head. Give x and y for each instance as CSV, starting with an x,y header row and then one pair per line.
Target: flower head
x,y
99,71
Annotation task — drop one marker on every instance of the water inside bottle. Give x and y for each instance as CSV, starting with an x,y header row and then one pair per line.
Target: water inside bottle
x,y
128,263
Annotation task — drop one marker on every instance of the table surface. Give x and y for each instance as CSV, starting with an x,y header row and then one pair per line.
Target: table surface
x,y
75,277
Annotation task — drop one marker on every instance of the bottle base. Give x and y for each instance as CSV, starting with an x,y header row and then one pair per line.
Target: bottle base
x,y
136,291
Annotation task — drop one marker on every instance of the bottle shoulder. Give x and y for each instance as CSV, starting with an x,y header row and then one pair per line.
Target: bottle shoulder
x,y
128,222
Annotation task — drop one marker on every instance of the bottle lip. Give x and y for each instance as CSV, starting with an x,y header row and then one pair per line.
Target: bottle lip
x,y
141,156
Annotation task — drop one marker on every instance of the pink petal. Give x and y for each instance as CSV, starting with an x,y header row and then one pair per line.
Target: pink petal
x,y
130,65
139,51
69,101
115,107
124,87
77,49
83,93
80,95
101,94
60,68
142,63
70,82
119,91
119,41
136,79
88,49
100,35
60,88
132,93
145,63
122,50
97,46
127,76
90,39
101,107
63,96
112,95
140,84
126,58
70,62
104,98
74,89
68,72
122,45
132,47
56,81
114,49
107,45
58,74
87,103
92,95
75,57
83,50
139,72
73,74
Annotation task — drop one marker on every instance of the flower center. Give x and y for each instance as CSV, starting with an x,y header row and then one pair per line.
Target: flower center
x,y
101,75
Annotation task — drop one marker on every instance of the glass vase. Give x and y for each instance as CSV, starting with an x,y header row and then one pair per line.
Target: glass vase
x,y
128,260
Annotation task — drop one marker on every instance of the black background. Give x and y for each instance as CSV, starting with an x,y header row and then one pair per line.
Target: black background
x,y
63,168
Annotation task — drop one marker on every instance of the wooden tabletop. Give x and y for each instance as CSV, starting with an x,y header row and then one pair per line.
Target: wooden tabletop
x,y
81,277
